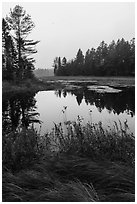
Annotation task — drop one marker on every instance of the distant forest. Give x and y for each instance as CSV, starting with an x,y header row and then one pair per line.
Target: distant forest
x,y
115,59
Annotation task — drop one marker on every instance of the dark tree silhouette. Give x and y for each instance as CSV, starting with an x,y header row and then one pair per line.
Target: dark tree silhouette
x,y
115,59
8,53
21,26
113,102
19,111
64,61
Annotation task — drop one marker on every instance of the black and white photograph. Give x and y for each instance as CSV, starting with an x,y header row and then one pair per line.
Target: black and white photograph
x,y
68,101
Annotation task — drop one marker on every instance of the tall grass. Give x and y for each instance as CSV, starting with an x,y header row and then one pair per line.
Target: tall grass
x,y
95,142
81,163
29,85
20,148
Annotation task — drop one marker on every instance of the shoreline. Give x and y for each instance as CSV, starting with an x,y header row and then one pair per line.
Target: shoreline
x,y
50,83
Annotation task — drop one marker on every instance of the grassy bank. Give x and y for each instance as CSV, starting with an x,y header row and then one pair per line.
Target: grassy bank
x,y
78,163
49,83
110,81
32,85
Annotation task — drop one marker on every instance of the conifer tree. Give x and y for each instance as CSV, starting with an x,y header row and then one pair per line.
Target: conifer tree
x,y
8,53
21,25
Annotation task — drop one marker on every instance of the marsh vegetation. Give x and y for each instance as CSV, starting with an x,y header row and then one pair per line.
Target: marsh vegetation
x,y
88,163
79,158
74,161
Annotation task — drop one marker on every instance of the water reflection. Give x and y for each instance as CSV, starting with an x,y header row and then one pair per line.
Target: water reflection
x,y
28,108
18,110
113,102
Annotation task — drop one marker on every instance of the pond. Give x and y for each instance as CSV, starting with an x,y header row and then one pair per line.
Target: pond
x,y
94,104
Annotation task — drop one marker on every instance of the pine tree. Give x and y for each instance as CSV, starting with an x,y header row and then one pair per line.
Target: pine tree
x,y
64,61
57,65
22,25
8,53
79,63
80,57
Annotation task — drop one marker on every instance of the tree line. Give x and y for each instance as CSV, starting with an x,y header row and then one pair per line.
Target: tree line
x,y
115,59
17,62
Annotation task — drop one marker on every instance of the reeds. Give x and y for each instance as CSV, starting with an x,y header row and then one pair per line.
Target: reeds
x,y
84,164
93,141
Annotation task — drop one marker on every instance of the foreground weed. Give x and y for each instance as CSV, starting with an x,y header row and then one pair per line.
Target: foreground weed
x,y
84,164
94,141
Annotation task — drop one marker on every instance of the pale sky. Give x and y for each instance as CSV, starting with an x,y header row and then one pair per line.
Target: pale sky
x,y
63,28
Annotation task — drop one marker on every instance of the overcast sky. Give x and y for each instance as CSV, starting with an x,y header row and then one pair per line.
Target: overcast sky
x,y
63,28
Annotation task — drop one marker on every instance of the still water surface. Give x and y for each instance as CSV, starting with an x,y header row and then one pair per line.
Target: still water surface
x,y
59,106
89,105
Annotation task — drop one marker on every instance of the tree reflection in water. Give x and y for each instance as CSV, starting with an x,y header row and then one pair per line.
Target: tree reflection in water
x,y
113,102
18,111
